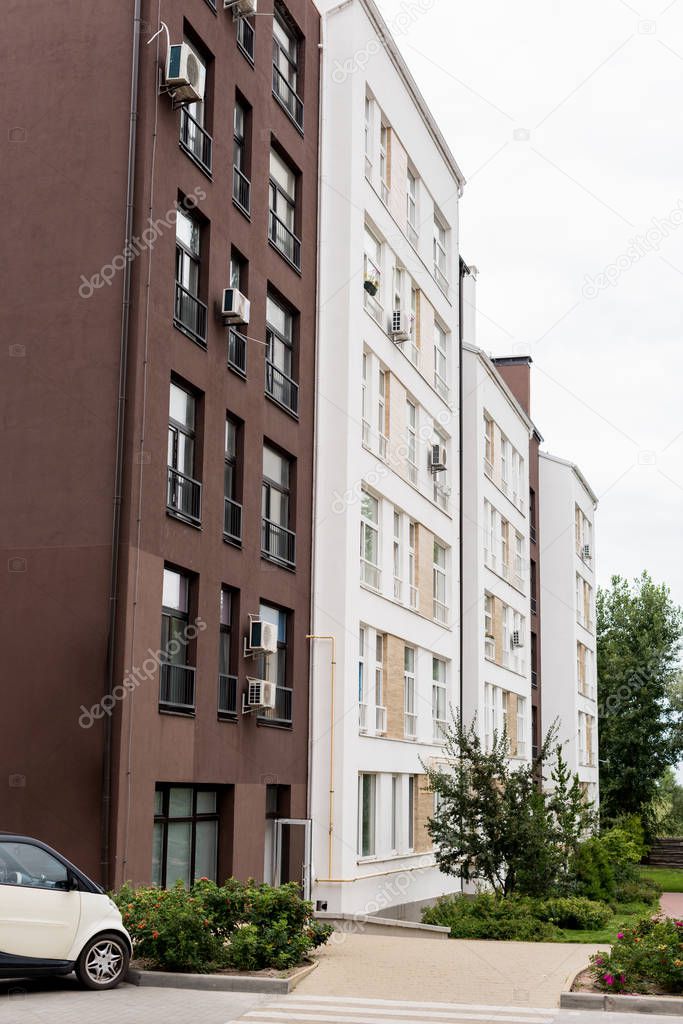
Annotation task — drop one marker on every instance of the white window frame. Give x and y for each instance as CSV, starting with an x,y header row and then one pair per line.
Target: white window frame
x,y
413,592
371,572
440,584
411,208
372,792
441,367
439,698
409,692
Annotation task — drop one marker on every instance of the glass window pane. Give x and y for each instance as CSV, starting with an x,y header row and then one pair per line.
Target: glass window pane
x,y
206,847
182,406
206,801
158,801
187,231
179,846
175,591
369,507
157,853
226,607
281,173
180,803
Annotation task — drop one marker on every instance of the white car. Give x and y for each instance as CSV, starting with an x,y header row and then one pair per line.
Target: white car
x,y
54,919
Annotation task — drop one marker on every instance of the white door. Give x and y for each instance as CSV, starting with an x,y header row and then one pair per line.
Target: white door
x,y
39,913
292,861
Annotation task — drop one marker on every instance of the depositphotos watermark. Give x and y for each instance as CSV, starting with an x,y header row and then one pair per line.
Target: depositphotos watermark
x,y
411,11
139,675
138,244
638,248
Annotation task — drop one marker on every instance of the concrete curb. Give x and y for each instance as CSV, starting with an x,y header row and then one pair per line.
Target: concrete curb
x,y
370,925
220,982
667,1005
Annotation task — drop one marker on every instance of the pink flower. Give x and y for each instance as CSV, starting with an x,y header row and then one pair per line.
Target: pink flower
x,y
622,978
620,935
608,979
599,961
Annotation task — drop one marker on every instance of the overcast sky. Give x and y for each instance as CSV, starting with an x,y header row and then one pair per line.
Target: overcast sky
x,y
567,121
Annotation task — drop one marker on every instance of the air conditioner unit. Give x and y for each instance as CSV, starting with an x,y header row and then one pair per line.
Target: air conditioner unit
x,y
185,74
262,636
260,693
234,307
437,458
400,328
517,638
242,7
586,554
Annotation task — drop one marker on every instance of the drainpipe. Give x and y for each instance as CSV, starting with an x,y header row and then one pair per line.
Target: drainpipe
x,y
105,858
333,670
463,271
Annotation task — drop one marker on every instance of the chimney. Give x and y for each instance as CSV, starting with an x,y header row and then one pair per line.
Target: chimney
x,y
516,372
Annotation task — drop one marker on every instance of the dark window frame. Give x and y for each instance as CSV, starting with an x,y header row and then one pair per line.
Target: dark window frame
x,y
164,820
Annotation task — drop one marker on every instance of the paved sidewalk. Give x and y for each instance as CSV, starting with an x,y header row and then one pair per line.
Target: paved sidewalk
x,y
672,904
494,973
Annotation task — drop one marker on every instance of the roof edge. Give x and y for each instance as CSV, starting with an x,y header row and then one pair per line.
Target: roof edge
x,y
576,470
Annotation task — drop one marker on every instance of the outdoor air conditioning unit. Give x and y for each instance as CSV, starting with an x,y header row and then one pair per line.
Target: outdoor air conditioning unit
x,y
437,458
400,327
586,554
234,307
260,693
262,636
517,638
242,7
185,74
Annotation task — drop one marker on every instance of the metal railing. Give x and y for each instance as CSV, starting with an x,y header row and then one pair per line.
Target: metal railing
x,y
237,351
532,533
384,192
380,719
176,687
184,496
414,354
366,434
370,574
278,543
284,240
534,605
195,140
282,712
368,168
241,190
232,521
287,97
227,696
245,37
282,388
190,314
412,472
534,680
409,726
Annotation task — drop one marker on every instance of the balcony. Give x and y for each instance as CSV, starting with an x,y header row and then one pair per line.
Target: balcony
x,y
189,315
176,688
534,680
278,544
288,99
241,190
196,142
532,533
232,522
284,240
227,697
410,726
237,352
184,498
380,720
245,38
362,718
281,388
440,612
370,574
282,712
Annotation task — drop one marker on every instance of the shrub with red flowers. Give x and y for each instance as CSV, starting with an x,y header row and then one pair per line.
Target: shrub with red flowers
x,y
647,957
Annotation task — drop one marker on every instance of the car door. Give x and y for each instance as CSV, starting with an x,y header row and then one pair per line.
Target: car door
x,y
39,912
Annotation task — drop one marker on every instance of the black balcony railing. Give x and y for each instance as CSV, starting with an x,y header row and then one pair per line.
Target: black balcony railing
x,y
184,496
532,533
237,352
284,240
282,388
232,521
534,680
286,96
176,689
196,142
241,190
278,543
190,314
282,712
534,606
245,38
227,696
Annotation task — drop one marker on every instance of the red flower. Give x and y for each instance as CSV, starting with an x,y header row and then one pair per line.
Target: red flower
x,y
155,935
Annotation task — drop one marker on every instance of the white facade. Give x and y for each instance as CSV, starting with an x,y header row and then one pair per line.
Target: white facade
x,y
495,572
387,390
568,589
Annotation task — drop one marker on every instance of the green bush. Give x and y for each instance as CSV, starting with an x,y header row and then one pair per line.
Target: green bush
x,y
623,852
487,916
638,890
651,954
593,873
633,825
574,912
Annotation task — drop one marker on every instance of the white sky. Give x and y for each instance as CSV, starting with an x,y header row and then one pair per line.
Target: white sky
x,y
599,89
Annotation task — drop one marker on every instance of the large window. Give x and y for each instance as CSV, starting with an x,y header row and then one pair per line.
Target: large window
x,y
398,557
280,383
489,638
412,565
441,361
232,522
241,185
367,788
380,707
409,707
189,312
438,698
488,445
184,492
369,110
364,401
185,845
274,667
227,680
411,426
278,541
362,683
439,583
411,190
372,275
176,675
194,137
286,69
370,572
283,198
382,413
237,340
384,161
440,254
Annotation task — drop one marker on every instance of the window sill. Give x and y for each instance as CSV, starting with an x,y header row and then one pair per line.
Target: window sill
x,y
282,255
290,117
176,712
243,210
276,561
505,579
227,717
171,512
200,342
206,171
267,723
280,405
235,542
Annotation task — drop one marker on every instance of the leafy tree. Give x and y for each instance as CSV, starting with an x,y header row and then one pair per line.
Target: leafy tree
x,y
573,818
641,711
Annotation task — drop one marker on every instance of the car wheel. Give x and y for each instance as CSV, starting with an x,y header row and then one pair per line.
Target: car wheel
x,y
103,961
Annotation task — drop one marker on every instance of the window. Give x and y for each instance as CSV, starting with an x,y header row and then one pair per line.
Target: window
x,y
370,572
533,587
488,446
232,516
369,111
362,694
414,306
411,424
440,255
185,844
411,189
489,637
227,680
439,583
176,676
440,486
409,715
241,185
438,698
505,547
518,633
411,812
245,37
382,413
277,541
194,138
380,709
534,662
519,561
286,69
283,190
274,667
364,402
189,313
517,469
441,362
184,492
367,785
505,451
532,515
280,383
237,340
395,812
25,864
490,516
412,565
372,275
490,722
398,579
521,727
384,157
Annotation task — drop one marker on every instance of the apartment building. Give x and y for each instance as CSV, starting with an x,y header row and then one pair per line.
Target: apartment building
x,y
159,435
386,563
496,580
568,589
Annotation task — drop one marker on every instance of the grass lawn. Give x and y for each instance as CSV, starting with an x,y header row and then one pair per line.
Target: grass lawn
x,y
668,879
627,914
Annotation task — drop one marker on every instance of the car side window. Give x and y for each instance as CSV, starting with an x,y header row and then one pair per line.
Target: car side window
x,y
29,865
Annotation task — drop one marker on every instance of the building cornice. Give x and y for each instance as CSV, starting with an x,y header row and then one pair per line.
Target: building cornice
x,y
575,469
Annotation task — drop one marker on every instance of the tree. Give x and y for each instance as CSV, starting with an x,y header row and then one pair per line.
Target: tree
x,y
494,824
573,818
641,715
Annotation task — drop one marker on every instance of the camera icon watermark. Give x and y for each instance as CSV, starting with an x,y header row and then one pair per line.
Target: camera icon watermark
x,y
17,351
269,780
647,27
143,458
647,458
17,781
521,135
16,134
17,564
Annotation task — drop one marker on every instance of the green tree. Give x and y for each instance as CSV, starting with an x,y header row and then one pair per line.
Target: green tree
x,y
572,817
641,718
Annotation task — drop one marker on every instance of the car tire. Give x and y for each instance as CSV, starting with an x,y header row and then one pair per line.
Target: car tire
x,y
103,962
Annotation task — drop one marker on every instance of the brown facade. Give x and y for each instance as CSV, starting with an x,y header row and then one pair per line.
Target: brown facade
x,y
66,167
